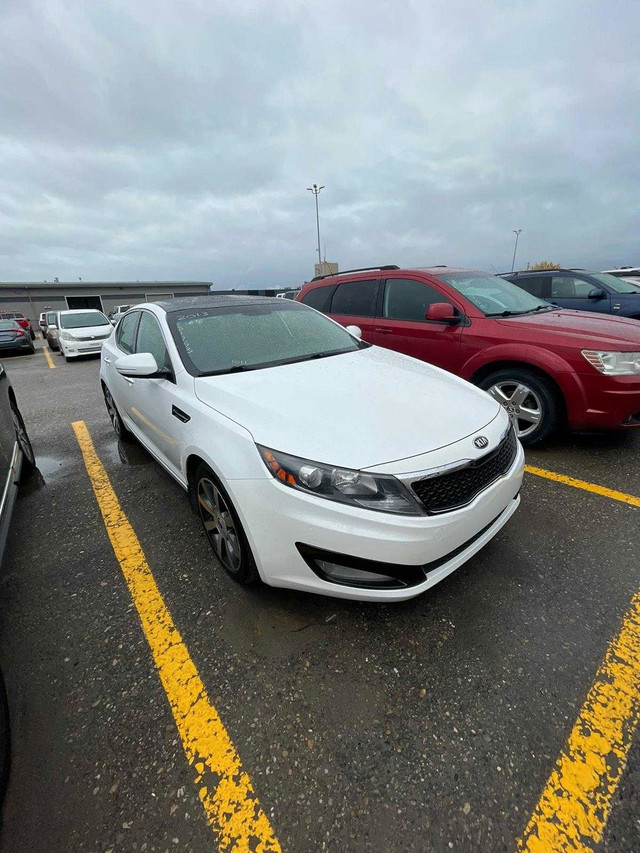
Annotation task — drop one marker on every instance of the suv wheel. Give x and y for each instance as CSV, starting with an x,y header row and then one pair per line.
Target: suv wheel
x,y
531,401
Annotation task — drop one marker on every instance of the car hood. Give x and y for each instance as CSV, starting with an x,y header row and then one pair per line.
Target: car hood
x,y
585,327
356,410
89,331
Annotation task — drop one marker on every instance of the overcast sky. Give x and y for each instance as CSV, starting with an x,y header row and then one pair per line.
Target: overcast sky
x,y
175,140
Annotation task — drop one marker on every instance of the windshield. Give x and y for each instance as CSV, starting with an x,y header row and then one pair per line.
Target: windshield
x,y
250,337
86,318
618,285
9,324
494,296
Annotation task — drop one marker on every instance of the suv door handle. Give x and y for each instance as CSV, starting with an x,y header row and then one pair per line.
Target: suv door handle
x,y
126,379
384,331
107,359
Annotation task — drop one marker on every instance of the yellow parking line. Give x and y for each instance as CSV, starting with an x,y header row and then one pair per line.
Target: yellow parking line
x,y
225,790
47,355
582,484
574,807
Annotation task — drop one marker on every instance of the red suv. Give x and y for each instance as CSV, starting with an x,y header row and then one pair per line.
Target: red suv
x,y
545,364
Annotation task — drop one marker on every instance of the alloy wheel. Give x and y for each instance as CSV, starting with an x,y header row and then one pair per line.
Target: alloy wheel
x,y
219,525
521,402
113,412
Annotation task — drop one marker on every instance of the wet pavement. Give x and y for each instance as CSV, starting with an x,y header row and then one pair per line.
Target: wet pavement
x,y
426,726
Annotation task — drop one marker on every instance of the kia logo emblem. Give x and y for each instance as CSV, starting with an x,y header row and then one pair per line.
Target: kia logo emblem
x,y
481,442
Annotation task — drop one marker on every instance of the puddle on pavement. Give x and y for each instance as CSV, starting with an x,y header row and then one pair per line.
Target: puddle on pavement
x,y
50,467
128,454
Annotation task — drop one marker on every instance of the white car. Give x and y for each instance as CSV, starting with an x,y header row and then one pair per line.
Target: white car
x,y
315,461
81,331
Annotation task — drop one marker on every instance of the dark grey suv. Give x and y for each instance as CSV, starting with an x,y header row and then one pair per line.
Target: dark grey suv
x,y
581,290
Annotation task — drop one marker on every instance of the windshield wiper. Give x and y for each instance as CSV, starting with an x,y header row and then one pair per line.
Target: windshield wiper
x,y
520,313
237,368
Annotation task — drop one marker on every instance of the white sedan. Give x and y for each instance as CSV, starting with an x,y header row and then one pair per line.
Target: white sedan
x,y
314,460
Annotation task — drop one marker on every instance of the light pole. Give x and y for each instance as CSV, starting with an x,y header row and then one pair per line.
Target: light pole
x,y
315,189
515,248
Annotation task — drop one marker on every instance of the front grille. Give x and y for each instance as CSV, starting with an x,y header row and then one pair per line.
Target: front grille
x,y
458,488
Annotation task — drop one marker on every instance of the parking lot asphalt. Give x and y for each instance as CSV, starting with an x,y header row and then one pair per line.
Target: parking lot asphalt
x,y
425,726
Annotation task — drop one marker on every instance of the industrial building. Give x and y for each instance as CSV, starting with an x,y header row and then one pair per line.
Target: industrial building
x,y
32,298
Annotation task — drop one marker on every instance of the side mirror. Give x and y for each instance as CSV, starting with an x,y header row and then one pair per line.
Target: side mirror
x,y
138,364
356,331
442,312
597,293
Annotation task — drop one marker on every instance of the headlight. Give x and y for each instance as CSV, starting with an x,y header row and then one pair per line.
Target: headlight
x,y
614,363
65,336
380,492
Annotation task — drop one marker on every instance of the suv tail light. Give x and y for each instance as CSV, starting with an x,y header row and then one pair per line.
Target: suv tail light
x,y
22,321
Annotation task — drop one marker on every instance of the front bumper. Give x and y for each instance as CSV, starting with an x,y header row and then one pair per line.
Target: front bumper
x,y
73,349
613,402
278,519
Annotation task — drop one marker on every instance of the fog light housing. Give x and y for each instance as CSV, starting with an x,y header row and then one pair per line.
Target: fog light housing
x,y
354,577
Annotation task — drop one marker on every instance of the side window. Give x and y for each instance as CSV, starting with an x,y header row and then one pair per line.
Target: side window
x,y
150,339
406,299
319,298
568,286
357,298
534,285
51,318
126,331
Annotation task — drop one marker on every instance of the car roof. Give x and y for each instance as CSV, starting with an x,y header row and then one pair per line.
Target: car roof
x,y
185,303
79,310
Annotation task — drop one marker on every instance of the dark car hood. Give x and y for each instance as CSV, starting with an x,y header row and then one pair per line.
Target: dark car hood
x,y
585,328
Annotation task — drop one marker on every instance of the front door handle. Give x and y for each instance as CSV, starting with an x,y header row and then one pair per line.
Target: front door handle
x,y
384,331
107,359
180,415
126,379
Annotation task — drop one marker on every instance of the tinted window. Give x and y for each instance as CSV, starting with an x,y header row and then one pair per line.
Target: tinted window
x,y
249,337
534,285
126,331
150,339
568,287
405,299
51,318
357,298
319,298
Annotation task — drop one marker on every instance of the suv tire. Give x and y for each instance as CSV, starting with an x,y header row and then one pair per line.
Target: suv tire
x,y
531,400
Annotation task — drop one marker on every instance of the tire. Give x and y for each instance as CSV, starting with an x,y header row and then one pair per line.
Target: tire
x,y
28,456
51,346
67,359
221,525
532,401
114,415
32,351
33,335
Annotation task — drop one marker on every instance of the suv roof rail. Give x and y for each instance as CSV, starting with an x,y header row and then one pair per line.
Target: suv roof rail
x,y
535,272
360,269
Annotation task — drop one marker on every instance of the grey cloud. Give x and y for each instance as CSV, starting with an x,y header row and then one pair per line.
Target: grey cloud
x,y
176,140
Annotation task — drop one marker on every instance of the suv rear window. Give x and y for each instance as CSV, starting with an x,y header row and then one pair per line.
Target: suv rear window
x,y
319,298
355,298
